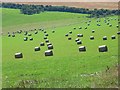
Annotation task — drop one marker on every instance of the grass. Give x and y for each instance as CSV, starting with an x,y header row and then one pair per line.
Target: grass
x,y
67,68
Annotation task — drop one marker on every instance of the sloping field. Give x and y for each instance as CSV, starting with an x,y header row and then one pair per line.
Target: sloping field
x,y
68,67
90,5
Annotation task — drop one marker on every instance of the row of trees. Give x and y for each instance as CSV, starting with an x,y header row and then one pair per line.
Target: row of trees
x,y
36,9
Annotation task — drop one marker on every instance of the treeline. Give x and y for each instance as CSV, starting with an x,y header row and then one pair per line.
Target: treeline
x,y
36,9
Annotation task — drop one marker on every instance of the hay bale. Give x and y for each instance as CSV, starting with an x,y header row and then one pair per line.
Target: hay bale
x,y
9,35
79,35
31,39
74,28
66,35
53,31
113,37
93,31
117,26
42,44
46,34
13,35
29,34
45,37
110,25
36,32
91,37
80,27
18,55
118,32
77,39
70,32
46,40
37,49
82,48
69,38
85,27
50,46
49,53
25,38
104,37
25,33
79,42
103,48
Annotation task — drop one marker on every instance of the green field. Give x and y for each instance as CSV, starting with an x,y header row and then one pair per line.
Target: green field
x,y
67,68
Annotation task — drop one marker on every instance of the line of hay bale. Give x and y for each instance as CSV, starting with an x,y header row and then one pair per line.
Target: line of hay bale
x,y
18,55
82,49
103,48
37,49
49,53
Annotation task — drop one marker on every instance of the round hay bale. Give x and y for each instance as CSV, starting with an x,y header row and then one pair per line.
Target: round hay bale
x,y
49,53
13,35
103,48
82,48
104,37
91,37
79,35
77,39
25,38
79,42
93,31
69,38
118,32
31,39
36,32
18,55
46,40
70,32
53,31
29,34
37,49
42,44
113,37
9,35
46,34
50,46
66,35
45,37
80,27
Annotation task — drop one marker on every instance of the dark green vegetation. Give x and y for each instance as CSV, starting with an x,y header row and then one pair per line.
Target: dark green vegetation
x,y
67,67
36,9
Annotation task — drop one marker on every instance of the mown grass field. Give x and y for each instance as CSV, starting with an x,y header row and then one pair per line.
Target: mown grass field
x,y
67,68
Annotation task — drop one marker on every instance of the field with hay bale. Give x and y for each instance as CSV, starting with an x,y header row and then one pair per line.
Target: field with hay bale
x,y
63,66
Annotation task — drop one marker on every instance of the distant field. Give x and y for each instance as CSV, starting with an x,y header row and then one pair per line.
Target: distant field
x,y
90,5
67,68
